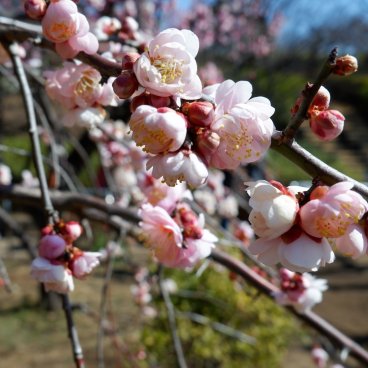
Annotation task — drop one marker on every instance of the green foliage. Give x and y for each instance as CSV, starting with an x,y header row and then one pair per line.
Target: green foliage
x,y
232,303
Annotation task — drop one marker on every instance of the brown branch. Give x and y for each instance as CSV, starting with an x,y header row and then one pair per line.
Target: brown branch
x,y
67,201
312,165
309,317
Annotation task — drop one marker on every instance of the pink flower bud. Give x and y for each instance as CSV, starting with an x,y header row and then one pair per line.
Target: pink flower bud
x,y
84,263
72,231
129,59
125,84
51,246
327,125
199,113
346,65
35,9
207,143
47,230
321,100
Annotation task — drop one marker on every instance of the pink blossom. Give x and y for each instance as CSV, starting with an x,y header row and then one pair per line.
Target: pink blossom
x,y
84,263
168,66
353,243
300,291
302,254
5,175
327,124
332,210
51,246
158,130
68,29
55,277
228,207
162,234
319,356
160,194
35,9
141,293
177,167
78,86
274,208
165,237
243,124
244,232
106,26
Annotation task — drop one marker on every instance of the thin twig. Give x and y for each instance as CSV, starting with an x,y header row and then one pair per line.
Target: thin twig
x,y
5,277
172,321
308,94
31,118
103,309
73,334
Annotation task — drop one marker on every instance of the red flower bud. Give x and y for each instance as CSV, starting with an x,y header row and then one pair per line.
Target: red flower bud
x,y
138,101
207,143
158,101
129,58
327,125
125,84
346,65
200,113
35,9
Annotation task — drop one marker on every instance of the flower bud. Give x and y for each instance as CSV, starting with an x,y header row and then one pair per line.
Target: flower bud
x,y
35,9
321,100
51,247
346,65
158,101
327,125
125,84
200,113
207,143
138,101
47,230
72,231
129,59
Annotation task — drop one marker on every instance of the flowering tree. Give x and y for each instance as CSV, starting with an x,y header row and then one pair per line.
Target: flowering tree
x,y
161,163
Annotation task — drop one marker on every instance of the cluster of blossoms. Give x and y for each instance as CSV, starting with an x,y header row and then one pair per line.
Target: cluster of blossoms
x,y
297,228
300,291
177,239
63,25
184,139
77,88
59,260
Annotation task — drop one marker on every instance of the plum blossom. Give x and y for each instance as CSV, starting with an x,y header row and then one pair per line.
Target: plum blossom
x,y
79,86
5,175
274,208
242,123
168,66
319,356
300,253
55,277
244,232
353,243
300,291
228,207
84,263
68,29
180,243
106,26
160,194
158,130
184,165
332,210
327,124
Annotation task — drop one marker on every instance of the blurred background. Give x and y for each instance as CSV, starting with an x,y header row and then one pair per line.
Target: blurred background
x,y
279,46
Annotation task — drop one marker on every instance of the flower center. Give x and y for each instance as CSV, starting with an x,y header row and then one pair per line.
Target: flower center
x,y
170,69
86,85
